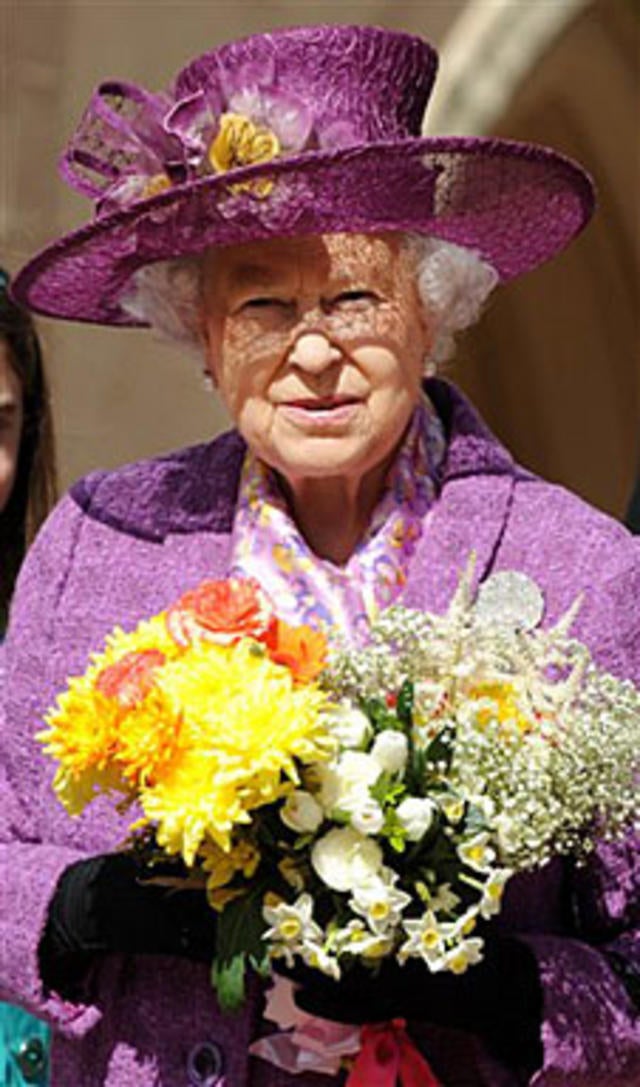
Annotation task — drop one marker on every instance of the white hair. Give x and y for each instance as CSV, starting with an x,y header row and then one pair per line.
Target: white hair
x,y
453,285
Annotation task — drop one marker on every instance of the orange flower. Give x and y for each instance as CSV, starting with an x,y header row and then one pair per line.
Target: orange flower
x,y
220,611
130,679
302,650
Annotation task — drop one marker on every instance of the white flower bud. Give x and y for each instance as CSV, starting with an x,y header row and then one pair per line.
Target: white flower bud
x,y
415,813
366,815
344,859
390,750
346,778
350,726
301,812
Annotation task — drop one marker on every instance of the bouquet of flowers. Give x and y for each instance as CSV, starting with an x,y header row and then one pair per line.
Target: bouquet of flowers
x,y
344,803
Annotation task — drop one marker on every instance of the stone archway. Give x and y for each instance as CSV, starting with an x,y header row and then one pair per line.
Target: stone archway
x,y
554,365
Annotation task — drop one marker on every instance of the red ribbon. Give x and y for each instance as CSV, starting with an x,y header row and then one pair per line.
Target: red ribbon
x,y
388,1055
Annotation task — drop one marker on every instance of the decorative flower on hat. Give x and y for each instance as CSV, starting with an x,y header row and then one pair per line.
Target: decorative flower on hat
x,y
121,151
132,145
248,120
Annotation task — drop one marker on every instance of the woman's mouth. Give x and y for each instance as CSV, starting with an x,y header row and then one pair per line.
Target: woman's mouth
x,y
321,411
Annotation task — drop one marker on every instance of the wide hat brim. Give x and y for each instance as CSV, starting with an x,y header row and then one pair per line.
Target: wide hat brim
x,y
516,204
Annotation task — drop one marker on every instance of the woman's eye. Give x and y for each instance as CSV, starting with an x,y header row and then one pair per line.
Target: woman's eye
x,y
263,303
355,296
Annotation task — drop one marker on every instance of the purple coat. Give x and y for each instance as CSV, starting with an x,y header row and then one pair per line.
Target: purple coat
x,y
124,544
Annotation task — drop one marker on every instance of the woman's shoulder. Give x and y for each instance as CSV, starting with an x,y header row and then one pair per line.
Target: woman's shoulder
x,y
187,490
575,551
560,520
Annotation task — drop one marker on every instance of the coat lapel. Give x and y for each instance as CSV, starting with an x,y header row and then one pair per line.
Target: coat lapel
x,y
470,515
476,489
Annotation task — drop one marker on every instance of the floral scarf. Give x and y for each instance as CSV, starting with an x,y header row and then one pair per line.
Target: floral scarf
x,y
268,546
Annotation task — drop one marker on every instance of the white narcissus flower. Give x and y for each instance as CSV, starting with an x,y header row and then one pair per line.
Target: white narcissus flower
x,y
350,726
366,815
344,859
477,852
443,899
463,955
356,939
426,941
391,750
301,812
491,900
415,814
346,780
380,903
292,925
320,959
453,808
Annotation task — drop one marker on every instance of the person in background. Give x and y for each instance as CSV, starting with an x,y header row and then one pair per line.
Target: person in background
x,y
27,459
27,493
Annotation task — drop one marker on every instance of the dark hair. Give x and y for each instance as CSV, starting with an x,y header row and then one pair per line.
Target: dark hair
x,y
34,487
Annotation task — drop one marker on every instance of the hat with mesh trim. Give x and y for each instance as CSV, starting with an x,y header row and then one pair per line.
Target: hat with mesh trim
x,y
310,130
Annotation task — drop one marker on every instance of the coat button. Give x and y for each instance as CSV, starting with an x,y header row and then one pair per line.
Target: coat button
x,y
205,1065
31,1059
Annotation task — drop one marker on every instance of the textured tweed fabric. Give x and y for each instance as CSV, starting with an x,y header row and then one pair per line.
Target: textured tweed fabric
x,y
124,544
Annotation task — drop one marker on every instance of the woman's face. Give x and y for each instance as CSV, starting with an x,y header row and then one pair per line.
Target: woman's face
x,y
317,346
10,424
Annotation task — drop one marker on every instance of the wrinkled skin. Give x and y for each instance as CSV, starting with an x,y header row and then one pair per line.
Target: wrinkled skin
x,y
317,346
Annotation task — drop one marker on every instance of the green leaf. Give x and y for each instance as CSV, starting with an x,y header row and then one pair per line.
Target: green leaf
x,y
404,708
387,789
440,750
227,978
239,937
379,714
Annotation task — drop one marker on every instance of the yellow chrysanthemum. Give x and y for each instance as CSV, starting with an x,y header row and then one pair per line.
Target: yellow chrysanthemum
x,y
87,733
246,724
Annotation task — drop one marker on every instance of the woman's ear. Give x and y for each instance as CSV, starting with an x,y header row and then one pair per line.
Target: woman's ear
x,y
204,339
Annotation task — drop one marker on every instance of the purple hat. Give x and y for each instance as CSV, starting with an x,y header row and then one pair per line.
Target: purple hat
x,y
311,130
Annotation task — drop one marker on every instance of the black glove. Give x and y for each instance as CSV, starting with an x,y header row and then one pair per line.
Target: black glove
x,y
498,999
107,904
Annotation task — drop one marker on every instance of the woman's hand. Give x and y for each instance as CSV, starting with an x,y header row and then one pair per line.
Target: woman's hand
x,y
499,999
110,903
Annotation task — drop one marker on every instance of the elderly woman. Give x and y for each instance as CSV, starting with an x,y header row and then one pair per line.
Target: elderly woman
x,y
279,209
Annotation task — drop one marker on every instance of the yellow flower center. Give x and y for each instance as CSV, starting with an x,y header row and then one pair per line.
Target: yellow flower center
x,y
241,142
289,928
430,937
377,950
458,963
379,910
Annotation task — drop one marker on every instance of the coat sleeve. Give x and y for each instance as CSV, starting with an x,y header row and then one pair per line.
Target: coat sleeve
x,y
31,860
591,1028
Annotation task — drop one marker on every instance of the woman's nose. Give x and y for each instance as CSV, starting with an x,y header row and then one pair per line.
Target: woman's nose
x,y
313,352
